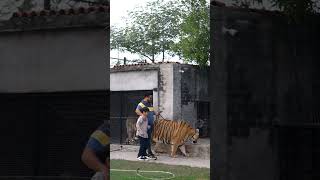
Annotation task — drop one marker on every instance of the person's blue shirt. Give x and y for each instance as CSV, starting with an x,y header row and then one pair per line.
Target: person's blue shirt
x,y
99,142
151,113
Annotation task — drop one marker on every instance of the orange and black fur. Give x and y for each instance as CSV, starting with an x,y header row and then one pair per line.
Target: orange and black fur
x,y
175,133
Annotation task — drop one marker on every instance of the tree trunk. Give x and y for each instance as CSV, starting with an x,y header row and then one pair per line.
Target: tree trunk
x,y
162,53
153,52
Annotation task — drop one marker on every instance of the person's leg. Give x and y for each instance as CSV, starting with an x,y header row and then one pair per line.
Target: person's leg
x,y
150,140
147,146
141,149
144,146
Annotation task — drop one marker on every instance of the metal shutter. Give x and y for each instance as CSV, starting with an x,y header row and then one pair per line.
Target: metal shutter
x,y
123,105
45,133
17,134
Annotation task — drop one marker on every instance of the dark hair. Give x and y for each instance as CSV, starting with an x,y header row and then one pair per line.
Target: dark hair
x,y
144,109
147,95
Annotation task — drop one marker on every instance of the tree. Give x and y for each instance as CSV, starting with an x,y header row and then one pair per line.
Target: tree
x,y
149,30
172,27
8,7
193,44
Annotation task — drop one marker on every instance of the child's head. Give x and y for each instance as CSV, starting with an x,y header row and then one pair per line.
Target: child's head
x,y
144,111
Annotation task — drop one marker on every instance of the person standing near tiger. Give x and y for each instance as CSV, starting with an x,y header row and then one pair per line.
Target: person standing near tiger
x,y
142,128
96,153
147,102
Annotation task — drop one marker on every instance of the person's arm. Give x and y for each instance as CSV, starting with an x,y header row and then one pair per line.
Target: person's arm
x,y
157,112
98,142
90,159
138,112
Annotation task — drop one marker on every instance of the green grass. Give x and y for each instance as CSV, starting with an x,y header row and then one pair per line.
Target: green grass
x,y
181,172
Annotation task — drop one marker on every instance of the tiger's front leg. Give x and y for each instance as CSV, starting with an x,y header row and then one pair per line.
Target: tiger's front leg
x,y
183,150
174,150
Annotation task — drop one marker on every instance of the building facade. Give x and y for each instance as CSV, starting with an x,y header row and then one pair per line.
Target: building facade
x,y
54,89
180,91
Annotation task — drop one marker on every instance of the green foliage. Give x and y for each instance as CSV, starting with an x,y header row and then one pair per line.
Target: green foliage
x,y
173,27
149,30
27,5
193,44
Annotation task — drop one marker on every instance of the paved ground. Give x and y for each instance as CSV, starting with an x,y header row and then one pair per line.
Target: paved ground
x,y
130,153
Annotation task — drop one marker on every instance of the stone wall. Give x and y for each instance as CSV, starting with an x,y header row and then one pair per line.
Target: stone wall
x,y
194,88
264,81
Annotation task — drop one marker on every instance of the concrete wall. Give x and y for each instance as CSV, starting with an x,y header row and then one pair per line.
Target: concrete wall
x,y
134,80
57,60
177,95
166,91
194,88
243,91
181,86
263,78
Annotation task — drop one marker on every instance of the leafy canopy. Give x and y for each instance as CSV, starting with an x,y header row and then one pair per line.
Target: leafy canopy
x,y
178,27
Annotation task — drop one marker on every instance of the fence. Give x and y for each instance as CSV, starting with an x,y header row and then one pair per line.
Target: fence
x,y
123,105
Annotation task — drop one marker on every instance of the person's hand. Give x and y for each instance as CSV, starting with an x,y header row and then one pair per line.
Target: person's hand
x,y
104,170
105,174
158,113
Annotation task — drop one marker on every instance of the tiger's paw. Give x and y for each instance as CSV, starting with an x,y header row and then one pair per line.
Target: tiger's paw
x,y
174,156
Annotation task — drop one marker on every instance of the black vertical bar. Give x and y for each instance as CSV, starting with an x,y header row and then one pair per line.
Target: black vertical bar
x,y
47,4
37,134
121,115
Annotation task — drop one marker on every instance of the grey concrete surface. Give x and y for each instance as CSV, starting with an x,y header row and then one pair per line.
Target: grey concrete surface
x,y
199,154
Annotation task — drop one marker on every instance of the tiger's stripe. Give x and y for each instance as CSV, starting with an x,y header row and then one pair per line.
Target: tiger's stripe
x,y
172,132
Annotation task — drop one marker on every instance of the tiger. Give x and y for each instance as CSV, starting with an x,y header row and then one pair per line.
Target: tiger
x,y
174,133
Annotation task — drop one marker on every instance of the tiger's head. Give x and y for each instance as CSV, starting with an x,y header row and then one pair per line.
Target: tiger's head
x,y
195,136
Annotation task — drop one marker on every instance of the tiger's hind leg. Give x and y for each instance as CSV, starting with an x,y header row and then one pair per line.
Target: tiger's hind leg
x,y
183,150
174,150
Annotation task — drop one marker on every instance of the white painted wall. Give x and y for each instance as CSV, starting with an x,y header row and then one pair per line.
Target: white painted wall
x,y
133,80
